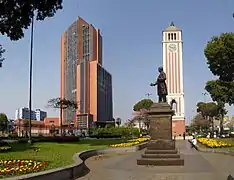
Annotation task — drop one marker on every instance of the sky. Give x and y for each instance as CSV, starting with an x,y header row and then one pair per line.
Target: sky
x,y
132,50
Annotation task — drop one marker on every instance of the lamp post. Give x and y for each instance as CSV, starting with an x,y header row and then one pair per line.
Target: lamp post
x,y
148,95
30,80
205,94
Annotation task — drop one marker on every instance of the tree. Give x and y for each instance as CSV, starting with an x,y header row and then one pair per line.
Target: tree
x,y
143,104
1,57
62,104
208,111
3,122
15,15
220,59
129,123
219,53
199,123
118,121
189,129
221,93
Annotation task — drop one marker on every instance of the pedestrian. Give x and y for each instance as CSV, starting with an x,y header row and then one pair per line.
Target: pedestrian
x,y
184,135
194,143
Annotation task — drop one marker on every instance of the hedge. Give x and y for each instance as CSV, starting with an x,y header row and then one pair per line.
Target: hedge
x,y
114,132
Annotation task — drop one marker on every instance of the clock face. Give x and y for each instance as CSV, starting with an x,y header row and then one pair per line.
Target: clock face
x,y
172,47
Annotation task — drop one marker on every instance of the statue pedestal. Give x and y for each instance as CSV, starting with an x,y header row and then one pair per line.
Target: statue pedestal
x,y
161,150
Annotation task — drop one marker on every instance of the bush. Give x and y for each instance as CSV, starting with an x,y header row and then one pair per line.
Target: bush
x,y
3,143
13,135
114,132
56,139
144,132
47,139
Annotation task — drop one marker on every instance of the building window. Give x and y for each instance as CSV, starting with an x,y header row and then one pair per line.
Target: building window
x,y
174,36
169,36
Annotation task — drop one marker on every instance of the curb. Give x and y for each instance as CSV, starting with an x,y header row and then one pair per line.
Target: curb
x,y
210,150
78,169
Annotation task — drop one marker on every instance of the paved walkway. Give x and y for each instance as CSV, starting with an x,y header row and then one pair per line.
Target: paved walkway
x,y
198,166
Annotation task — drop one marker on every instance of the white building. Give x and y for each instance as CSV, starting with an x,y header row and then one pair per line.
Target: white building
x,y
23,113
40,115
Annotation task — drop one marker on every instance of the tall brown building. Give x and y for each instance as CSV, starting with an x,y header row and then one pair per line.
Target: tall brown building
x,y
83,79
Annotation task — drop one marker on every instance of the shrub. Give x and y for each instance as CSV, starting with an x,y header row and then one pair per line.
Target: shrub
x,y
56,139
13,135
4,146
47,139
115,132
3,143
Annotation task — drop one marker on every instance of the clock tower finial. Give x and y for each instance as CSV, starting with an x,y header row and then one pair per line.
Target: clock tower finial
x,y
172,23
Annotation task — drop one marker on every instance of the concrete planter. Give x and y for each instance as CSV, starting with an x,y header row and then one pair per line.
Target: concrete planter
x,y
210,150
77,169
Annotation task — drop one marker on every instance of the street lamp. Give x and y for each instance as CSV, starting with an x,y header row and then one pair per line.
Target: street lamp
x,y
148,95
205,94
30,80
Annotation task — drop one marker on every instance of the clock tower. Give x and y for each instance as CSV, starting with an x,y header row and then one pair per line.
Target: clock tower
x,y
173,67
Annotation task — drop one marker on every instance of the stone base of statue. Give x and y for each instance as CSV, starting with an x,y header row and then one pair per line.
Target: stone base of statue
x,y
161,150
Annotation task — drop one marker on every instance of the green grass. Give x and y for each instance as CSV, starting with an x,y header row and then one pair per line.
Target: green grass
x,y
55,154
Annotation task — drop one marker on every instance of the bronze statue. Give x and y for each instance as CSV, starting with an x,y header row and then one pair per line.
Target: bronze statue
x,y
161,86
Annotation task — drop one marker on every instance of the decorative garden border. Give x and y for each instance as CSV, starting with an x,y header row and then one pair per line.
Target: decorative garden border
x,y
77,169
213,150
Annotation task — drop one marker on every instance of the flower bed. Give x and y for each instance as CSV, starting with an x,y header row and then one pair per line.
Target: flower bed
x,y
5,148
131,142
19,167
213,143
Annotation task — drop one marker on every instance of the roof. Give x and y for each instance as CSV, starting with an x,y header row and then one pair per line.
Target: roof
x,y
172,27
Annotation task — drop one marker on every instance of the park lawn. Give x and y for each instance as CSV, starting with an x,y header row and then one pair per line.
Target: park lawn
x,y
55,154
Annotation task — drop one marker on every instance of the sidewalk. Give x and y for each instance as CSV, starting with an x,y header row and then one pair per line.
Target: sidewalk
x,y
202,166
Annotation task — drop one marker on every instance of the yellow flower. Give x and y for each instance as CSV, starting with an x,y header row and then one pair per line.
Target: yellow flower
x,y
213,143
131,142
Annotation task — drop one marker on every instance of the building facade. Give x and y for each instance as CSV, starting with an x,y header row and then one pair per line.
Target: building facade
x,y
173,67
40,115
83,78
24,113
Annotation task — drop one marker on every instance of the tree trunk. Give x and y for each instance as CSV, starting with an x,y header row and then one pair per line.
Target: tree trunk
x,y
221,124
212,122
61,123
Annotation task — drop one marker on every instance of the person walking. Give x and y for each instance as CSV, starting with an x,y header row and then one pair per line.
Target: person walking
x,y
184,135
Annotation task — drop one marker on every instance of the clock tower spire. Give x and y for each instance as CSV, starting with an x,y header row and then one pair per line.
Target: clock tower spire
x,y
173,67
